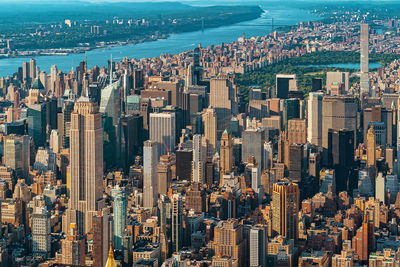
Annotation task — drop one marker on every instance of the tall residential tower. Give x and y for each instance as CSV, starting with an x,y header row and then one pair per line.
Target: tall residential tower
x,y
364,68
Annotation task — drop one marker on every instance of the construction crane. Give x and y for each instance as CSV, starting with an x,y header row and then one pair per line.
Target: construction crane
x,y
166,147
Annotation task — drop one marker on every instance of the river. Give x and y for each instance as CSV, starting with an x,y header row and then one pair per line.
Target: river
x,y
176,43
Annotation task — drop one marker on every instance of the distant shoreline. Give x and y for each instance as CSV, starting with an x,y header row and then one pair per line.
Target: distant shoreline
x,y
117,43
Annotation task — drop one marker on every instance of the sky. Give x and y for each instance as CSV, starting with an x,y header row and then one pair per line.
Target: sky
x,y
183,1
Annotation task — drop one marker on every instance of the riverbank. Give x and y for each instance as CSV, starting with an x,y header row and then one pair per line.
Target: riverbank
x,y
174,44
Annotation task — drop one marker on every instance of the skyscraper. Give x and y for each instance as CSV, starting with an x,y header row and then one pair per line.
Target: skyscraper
x,y
64,122
163,131
364,240
73,248
164,174
86,163
101,237
226,152
338,112
284,84
291,110
297,131
253,144
17,155
364,68
371,147
223,100
210,130
229,241
37,123
337,77
53,77
150,161
341,157
314,122
258,245
199,159
41,230
285,201
120,206
32,69
25,72
177,222
110,103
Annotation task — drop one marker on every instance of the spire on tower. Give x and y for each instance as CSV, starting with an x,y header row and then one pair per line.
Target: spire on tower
x,y
85,63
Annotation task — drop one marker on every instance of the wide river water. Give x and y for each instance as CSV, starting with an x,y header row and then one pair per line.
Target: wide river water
x,y
176,43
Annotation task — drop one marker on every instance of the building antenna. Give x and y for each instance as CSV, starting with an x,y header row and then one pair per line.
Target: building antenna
x,y
111,69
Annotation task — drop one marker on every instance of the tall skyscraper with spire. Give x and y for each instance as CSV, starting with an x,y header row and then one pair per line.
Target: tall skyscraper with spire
x,y
86,163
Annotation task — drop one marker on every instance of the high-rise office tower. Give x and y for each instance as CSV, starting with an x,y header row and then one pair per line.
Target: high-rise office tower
x,y
285,199
64,122
284,84
32,69
297,131
37,123
341,157
184,158
120,206
86,163
163,131
43,78
223,100
295,161
17,155
364,240
41,230
291,110
164,174
255,174
398,135
132,139
150,161
258,245
210,130
337,77
110,103
338,112
316,84
382,120
127,87
53,77
314,120
199,159
177,222
189,76
55,144
226,152
253,145
371,147
73,248
101,237
229,240
196,198
380,188
164,212
25,72
364,68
